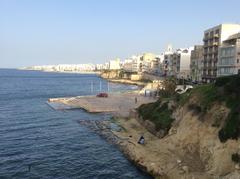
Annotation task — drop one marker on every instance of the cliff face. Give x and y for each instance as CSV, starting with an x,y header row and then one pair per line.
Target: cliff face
x,y
193,146
196,143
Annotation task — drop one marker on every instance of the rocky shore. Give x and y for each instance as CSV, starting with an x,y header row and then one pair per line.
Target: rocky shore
x,y
190,148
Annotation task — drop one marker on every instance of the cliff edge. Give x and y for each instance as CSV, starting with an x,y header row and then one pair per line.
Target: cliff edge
x,y
194,135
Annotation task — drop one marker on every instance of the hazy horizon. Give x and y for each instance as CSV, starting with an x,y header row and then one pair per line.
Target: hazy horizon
x,y
72,32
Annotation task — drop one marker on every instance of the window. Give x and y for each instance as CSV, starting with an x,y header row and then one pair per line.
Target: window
x,y
223,52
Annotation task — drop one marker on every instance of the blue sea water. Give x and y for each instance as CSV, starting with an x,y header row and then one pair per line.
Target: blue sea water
x,y
52,142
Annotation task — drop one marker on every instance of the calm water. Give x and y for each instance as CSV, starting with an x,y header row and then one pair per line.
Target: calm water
x,y
53,142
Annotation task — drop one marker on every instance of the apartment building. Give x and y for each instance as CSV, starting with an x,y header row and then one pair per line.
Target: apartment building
x,y
167,62
177,63
229,56
213,38
147,61
114,64
196,63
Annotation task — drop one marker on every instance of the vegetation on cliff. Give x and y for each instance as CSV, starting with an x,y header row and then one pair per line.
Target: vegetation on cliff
x,y
225,91
158,113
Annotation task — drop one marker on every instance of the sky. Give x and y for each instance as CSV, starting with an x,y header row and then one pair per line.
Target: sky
x,y
42,32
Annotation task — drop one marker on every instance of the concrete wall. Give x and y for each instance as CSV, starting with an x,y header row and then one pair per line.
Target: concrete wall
x,y
136,77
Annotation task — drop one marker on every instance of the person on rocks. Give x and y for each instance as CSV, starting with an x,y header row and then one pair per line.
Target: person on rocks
x,y
141,140
135,100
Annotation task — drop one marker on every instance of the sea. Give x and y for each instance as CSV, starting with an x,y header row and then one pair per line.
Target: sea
x,y
37,141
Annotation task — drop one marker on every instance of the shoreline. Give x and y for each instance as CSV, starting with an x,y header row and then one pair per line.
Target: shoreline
x,y
121,105
119,137
104,129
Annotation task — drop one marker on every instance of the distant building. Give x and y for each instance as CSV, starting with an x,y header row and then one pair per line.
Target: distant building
x,y
147,62
229,56
132,64
213,38
114,64
65,68
185,58
196,63
177,63
167,61
127,65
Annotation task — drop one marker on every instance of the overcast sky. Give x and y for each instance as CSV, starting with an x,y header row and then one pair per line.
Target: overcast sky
x,y
38,32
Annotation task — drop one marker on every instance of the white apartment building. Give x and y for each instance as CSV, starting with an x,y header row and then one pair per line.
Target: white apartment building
x,y
213,38
132,64
167,61
185,59
229,56
114,64
150,63
177,63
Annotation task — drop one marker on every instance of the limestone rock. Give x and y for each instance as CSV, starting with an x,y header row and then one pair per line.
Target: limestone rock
x,y
185,169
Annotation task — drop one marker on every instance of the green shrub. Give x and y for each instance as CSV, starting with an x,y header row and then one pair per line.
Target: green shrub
x,y
236,157
231,129
159,114
195,108
231,95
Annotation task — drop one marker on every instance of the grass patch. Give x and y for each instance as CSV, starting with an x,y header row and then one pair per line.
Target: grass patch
x,y
159,114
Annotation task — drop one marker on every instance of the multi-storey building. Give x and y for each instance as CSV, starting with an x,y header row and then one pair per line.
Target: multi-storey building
x,y
177,63
114,64
133,64
229,56
147,61
167,62
196,63
213,38
184,63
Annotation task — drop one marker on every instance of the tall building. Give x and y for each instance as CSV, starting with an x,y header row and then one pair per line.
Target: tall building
x,y
213,38
166,63
229,56
177,63
196,63
184,66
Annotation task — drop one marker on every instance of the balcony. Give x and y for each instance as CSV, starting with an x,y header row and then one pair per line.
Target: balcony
x,y
205,38
216,35
215,43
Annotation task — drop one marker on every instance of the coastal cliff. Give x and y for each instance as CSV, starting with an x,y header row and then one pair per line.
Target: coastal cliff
x,y
192,135
200,137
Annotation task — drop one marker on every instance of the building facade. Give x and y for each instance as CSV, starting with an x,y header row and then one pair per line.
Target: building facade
x,y
213,38
177,63
229,56
114,64
196,63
